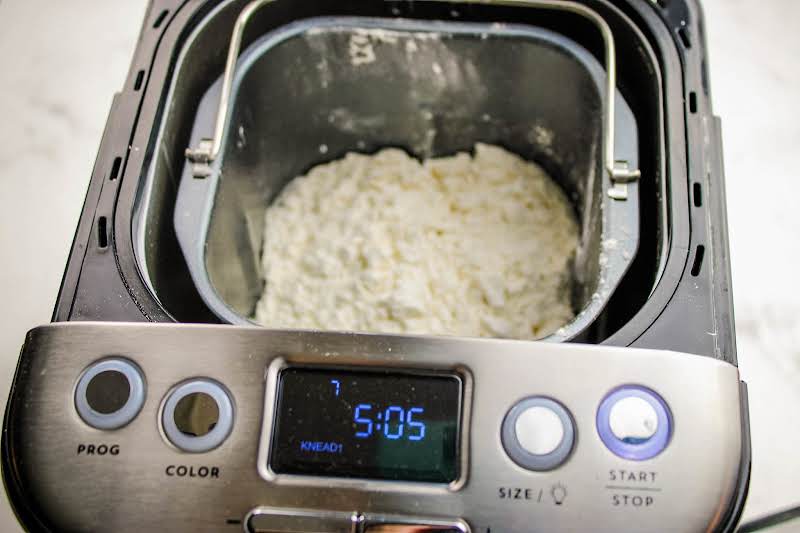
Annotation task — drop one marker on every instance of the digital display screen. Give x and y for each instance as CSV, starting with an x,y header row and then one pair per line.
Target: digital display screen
x,y
370,424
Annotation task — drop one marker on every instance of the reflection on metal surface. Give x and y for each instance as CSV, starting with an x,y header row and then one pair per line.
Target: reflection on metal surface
x,y
79,490
411,528
278,520
108,392
196,414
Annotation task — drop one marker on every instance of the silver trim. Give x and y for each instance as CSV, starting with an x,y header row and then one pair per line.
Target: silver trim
x,y
414,524
692,486
354,520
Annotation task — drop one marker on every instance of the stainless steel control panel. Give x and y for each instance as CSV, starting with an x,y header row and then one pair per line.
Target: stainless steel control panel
x,y
131,427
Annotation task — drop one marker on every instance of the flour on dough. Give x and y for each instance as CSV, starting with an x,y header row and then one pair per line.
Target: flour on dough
x,y
476,246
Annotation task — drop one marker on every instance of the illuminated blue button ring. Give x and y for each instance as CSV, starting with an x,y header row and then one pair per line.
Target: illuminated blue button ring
x,y
538,433
652,420
121,416
220,431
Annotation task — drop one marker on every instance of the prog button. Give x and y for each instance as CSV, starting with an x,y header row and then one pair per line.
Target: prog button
x,y
110,393
538,433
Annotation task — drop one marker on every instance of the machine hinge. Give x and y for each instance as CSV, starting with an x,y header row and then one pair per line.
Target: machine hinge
x,y
201,158
621,175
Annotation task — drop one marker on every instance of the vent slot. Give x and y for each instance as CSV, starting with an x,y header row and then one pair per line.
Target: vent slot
x,y
161,17
684,35
697,195
139,79
693,102
698,260
102,232
115,168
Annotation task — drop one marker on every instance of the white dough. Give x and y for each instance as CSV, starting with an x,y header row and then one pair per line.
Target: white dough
x,y
471,246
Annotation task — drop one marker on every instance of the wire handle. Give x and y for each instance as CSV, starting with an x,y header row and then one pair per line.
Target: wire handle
x,y
208,150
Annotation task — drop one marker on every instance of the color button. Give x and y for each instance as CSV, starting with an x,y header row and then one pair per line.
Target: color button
x,y
198,415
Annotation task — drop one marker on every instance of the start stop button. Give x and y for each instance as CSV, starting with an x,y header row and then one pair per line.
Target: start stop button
x,y
634,422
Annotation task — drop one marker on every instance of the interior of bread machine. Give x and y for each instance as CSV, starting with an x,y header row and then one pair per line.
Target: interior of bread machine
x,y
434,81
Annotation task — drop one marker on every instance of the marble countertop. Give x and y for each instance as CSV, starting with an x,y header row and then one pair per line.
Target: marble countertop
x,y
58,76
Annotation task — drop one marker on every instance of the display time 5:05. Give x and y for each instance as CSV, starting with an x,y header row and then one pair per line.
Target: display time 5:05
x,y
394,422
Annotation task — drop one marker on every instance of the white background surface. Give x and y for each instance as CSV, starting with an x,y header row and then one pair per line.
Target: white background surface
x,y
61,62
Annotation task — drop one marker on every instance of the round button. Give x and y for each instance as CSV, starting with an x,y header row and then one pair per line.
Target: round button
x,y
110,393
538,433
539,430
197,415
634,422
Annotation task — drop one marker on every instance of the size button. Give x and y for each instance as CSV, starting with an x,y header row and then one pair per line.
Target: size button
x,y
539,430
538,433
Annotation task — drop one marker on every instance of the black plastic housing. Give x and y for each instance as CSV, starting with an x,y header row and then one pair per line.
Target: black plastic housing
x,y
677,294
